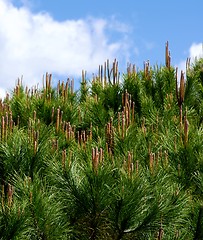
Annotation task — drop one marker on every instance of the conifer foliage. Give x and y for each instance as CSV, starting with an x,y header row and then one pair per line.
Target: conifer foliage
x,y
121,158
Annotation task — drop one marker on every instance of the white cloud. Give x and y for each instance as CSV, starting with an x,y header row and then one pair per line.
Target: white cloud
x,y
195,52
32,44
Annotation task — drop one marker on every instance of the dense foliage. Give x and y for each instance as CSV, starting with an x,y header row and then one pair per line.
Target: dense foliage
x,y
121,158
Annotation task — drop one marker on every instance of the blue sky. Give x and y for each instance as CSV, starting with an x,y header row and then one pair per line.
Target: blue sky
x,y
64,37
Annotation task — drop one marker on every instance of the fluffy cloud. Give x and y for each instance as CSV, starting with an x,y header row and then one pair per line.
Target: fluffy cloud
x,y
195,52
32,44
